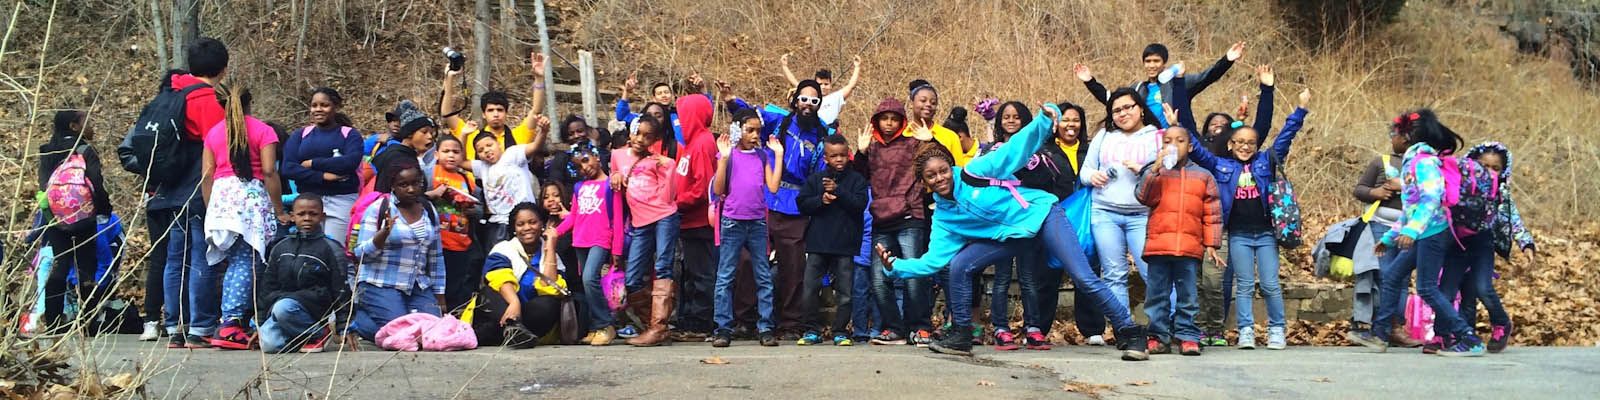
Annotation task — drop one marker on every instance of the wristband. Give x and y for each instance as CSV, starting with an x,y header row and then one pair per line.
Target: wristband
x,y
538,86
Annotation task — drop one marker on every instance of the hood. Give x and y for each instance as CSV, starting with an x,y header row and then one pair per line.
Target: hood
x,y
1420,149
888,105
694,117
1495,147
180,81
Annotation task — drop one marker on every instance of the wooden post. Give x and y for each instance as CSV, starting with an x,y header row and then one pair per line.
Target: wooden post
x,y
549,70
480,55
590,94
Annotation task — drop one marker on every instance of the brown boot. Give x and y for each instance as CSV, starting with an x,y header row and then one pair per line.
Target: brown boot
x,y
638,303
662,296
1398,337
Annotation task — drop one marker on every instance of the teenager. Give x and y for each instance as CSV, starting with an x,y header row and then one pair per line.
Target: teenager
x,y
186,246
1155,90
495,107
243,209
527,285
697,164
322,158
401,266
1127,141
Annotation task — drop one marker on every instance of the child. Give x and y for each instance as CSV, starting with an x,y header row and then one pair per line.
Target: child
x,y
653,234
241,193
69,168
1380,184
834,199
302,284
455,196
696,166
1185,223
899,215
1508,229
506,178
401,260
596,225
523,272
743,179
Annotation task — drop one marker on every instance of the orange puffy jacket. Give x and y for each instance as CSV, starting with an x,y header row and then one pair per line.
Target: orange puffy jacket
x,y
1185,211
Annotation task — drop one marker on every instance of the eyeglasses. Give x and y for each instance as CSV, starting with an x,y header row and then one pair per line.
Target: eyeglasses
x,y
1242,142
1124,109
811,100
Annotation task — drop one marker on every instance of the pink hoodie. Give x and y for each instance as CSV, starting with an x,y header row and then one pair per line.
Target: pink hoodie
x,y
651,193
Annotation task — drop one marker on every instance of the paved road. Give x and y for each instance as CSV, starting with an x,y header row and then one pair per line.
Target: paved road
x,y
854,372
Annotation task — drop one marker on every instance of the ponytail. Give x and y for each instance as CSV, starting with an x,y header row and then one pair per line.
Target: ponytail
x,y
238,135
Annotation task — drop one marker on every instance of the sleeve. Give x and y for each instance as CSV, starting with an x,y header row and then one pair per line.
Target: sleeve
x,y
91,170
1182,102
347,161
810,199
1008,159
48,161
1090,163
941,248
735,104
1519,232
1291,128
1264,109
1368,181
365,250
268,289
1210,75
619,225
436,274
1213,218
695,180
854,196
290,164
341,293
1421,212
1149,188
1097,90
566,224
497,272
204,111
625,111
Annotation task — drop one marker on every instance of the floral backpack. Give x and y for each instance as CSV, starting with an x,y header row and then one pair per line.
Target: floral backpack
x,y
69,190
1285,209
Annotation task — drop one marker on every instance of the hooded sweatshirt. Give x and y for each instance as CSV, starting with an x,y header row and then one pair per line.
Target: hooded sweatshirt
x,y
1423,195
1107,153
888,165
697,162
1508,220
63,141
307,267
201,111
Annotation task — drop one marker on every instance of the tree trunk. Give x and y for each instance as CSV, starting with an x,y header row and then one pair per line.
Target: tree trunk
x,y
180,40
300,44
549,70
480,53
508,26
159,31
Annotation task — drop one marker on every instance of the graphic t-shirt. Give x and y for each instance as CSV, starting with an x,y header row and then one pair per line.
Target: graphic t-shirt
x,y
506,183
455,231
1249,212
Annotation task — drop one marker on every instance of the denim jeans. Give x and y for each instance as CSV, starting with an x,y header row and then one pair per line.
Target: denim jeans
x,y
842,268
1041,290
1166,275
1254,258
749,236
1426,256
376,306
288,326
864,310
186,247
1479,285
1085,316
661,237
595,258
917,312
1115,236
976,256
1385,262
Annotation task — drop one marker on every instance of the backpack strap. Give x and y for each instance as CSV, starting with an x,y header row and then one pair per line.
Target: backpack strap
x,y
1009,184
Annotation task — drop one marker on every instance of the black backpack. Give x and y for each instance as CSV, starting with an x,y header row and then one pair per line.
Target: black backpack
x,y
153,148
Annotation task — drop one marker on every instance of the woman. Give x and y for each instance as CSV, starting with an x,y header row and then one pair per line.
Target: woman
x,y
1127,142
240,187
527,286
401,260
69,174
1009,119
322,158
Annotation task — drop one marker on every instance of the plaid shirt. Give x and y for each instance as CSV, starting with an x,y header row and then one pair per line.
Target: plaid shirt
x,y
411,258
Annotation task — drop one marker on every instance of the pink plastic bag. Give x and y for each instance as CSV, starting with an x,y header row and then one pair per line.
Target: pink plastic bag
x,y
426,332
1419,317
613,283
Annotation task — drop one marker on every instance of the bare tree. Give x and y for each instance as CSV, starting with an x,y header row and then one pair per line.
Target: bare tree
x,y
480,52
160,32
300,44
508,25
185,28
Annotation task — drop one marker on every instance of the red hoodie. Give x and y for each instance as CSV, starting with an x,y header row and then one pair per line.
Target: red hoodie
x,y
202,111
696,161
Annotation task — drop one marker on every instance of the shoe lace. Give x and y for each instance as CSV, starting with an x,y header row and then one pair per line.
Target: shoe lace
x,y
1036,336
1499,333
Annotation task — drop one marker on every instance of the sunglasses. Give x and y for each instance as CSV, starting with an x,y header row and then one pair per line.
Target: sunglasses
x,y
811,100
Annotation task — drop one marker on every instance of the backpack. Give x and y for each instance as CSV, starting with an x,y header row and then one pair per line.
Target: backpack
x,y
69,190
155,141
1470,193
1284,209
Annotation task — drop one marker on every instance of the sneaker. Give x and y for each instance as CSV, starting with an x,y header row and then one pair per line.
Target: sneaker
x,y
1189,348
1499,338
808,339
628,332
1005,341
1277,339
958,342
768,340
922,338
1247,338
315,345
1470,346
1133,349
1096,340
152,331
1368,339
232,336
1035,340
721,340
176,342
1157,346
842,340
1214,340
196,342
518,338
977,336
744,332
888,338
1433,346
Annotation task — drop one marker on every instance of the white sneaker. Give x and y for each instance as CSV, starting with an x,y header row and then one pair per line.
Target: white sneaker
x,y
1276,339
1097,340
152,331
1247,338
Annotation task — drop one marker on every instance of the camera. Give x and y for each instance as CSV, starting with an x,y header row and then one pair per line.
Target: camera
x,y
457,60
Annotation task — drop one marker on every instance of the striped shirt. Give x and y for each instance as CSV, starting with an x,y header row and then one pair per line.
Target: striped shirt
x,y
411,258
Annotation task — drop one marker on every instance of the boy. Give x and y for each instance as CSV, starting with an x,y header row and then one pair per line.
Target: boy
x,y
696,165
495,106
744,179
899,218
834,199
303,283
1185,224
1155,90
506,178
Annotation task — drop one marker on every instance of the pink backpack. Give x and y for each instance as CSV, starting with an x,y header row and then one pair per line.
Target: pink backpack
x,y
426,332
69,190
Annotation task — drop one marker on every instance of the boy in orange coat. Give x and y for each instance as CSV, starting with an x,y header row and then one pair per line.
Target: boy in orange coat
x,y
1185,224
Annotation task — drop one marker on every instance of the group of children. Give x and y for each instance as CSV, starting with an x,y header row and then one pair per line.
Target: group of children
x,y
458,223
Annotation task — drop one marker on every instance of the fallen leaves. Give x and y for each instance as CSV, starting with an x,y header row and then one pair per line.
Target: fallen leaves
x,y
1140,383
1087,389
985,383
714,360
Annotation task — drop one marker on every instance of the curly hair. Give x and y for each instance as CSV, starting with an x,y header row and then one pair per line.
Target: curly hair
x,y
931,151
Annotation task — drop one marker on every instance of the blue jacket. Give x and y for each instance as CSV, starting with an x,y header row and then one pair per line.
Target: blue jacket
x,y
329,151
802,154
1227,169
990,212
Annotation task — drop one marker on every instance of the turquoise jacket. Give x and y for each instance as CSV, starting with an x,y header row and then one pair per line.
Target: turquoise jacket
x,y
991,212
1423,195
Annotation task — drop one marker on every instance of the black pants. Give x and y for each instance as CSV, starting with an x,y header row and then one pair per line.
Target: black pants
x,y
463,274
744,293
698,282
843,269
572,272
74,247
539,316
157,222
789,243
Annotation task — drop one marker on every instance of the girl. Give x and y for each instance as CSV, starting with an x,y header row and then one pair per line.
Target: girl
x,y
402,262
744,177
553,202
1508,230
654,226
523,272
1010,119
1244,176
597,229
1423,239
69,166
455,196
1380,184
1054,169
242,212
322,158
983,218
1216,281
1127,141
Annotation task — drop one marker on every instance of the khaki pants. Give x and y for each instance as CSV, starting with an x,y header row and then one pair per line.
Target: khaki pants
x,y
1215,287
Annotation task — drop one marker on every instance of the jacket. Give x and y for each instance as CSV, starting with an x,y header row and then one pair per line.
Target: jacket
x,y
697,162
1186,212
1051,170
1362,259
201,111
308,268
330,150
1508,225
994,211
835,229
1226,169
886,162
1423,195
1194,84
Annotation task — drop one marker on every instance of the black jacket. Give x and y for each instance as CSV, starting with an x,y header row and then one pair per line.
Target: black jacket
x,y
835,229
1196,84
307,267
1050,170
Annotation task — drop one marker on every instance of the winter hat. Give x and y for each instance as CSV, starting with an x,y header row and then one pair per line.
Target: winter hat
x,y
411,118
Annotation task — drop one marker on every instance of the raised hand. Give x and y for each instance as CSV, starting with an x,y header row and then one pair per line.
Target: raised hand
x,y
696,83
776,146
724,145
1180,68
1172,114
630,84
784,60
1049,112
536,60
1305,98
1236,51
724,90
543,122
855,62
471,126
864,139
1083,72
1266,75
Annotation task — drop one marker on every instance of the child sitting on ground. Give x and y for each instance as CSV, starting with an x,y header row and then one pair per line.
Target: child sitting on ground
x,y
302,283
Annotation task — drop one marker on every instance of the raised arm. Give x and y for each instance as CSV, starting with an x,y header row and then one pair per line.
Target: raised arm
x,y
535,149
1014,155
774,169
536,104
447,105
1264,104
1291,128
787,74
623,110
1211,75
1184,110
1097,90
855,76
719,180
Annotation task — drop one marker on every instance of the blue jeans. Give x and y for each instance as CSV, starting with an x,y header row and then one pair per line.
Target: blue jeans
x,y
376,306
288,326
1115,236
660,236
1166,275
594,258
1057,238
1087,318
750,236
864,311
918,309
1385,262
973,258
1254,257
186,245
1426,257
1479,285
1041,290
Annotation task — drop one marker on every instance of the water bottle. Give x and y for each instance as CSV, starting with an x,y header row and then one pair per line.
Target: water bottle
x,y
1170,161
1166,75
